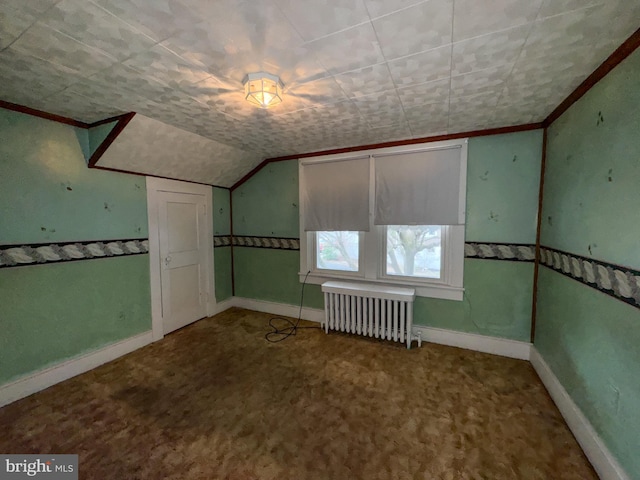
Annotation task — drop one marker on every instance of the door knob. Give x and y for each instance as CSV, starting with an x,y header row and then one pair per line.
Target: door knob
x,y
167,260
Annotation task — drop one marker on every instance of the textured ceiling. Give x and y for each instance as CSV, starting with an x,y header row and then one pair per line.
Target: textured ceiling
x,y
355,71
155,148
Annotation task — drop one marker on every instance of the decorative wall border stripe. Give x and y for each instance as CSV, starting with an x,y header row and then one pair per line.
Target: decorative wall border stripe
x,y
221,241
616,281
267,242
21,255
514,252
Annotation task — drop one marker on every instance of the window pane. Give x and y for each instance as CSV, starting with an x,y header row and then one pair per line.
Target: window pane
x,y
337,251
414,250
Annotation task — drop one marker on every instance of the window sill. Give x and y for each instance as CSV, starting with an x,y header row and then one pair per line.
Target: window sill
x,y
445,292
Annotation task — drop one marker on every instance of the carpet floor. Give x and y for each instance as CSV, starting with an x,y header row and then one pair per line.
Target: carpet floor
x,y
216,401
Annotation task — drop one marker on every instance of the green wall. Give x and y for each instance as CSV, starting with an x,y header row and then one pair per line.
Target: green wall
x,y
272,275
592,181
267,204
221,211
590,340
503,178
52,312
497,301
48,194
503,175
222,255
223,273
96,135
55,312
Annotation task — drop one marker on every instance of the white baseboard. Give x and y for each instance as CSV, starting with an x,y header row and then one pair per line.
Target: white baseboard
x,y
480,343
600,457
37,381
223,305
471,341
594,448
311,314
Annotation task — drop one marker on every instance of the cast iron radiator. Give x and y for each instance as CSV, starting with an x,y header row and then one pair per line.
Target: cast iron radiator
x,y
370,310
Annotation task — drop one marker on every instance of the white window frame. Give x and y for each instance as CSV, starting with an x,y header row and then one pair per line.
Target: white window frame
x,y
372,258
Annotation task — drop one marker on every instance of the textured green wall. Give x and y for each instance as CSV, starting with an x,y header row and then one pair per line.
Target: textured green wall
x,y
267,204
590,340
272,275
497,301
48,194
503,177
97,135
592,181
52,312
222,255
592,343
82,135
223,273
221,211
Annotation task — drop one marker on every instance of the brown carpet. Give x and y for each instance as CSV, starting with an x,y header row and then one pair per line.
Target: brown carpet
x,y
216,401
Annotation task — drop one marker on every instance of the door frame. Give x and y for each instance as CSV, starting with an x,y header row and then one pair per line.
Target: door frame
x,y
156,185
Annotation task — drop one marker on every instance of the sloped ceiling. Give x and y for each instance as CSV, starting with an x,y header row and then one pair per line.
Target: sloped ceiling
x,y
355,71
155,148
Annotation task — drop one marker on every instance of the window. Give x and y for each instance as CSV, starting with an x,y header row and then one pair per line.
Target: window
x,y
337,251
414,251
393,216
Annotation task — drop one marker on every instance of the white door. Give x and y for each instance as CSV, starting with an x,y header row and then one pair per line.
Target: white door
x,y
183,257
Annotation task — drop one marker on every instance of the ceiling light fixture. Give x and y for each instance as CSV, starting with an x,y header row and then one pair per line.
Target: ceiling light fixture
x,y
262,89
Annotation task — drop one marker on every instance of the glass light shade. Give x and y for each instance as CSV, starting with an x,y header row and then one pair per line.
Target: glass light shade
x,y
263,89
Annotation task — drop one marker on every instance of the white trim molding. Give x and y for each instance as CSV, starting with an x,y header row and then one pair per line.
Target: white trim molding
x,y
471,341
480,343
284,309
372,243
25,386
604,463
37,381
594,448
445,292
223,305
154,187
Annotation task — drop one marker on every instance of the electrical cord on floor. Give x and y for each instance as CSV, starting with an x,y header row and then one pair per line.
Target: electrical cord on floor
x,y
279,334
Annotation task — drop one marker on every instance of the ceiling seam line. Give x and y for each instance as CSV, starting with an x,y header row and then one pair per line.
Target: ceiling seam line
x,y
386,64
507,81
453,16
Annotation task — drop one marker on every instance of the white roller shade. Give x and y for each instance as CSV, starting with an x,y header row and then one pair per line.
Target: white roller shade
x,y
336,195
419,188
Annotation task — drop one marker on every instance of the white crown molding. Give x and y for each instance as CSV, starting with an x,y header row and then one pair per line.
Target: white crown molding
x,y
594,448
25,386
